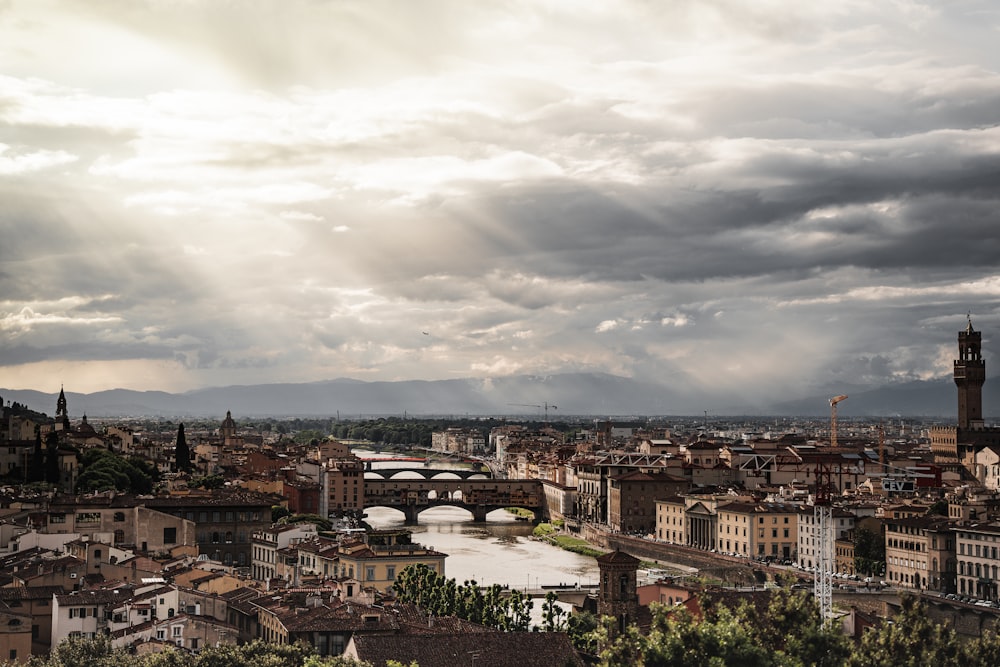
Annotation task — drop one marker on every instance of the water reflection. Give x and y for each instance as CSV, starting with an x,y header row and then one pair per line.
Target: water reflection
x,y
499,551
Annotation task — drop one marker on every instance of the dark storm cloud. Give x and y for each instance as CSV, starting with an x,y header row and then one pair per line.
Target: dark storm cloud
x,y
655,190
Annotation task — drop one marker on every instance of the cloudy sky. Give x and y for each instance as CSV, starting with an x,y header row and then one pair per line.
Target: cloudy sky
x,y
756,198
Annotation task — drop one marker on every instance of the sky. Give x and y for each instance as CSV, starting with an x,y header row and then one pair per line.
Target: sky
x,y
757,199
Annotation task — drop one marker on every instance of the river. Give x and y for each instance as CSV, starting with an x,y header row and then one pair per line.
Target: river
x,y
497,551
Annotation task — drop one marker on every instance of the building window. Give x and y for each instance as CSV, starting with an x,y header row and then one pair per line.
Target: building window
x,y
170,535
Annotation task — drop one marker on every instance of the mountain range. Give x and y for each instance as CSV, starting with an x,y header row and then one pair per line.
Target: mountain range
x,y
576,394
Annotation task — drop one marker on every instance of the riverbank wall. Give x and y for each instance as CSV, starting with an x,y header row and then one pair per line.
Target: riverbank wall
x,y
677,554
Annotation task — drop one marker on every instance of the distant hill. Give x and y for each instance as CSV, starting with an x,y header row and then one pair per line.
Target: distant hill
x,y
593,394
571,394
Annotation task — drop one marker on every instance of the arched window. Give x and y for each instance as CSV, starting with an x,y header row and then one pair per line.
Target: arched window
x,y
119,517
119,536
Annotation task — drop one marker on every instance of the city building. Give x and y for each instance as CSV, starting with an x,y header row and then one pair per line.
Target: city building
x,y
617,593
809,538
920,553
265,545
632,499
224,521
977,547
956,446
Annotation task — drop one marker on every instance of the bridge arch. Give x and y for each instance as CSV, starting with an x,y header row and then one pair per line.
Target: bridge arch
x,y
413,496
425,473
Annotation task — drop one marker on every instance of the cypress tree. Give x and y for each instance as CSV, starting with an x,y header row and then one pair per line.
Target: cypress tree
x,y
36,473
182,454
52,458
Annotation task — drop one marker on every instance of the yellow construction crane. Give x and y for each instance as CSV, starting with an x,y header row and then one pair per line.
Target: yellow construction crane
x,y
833,418
881,443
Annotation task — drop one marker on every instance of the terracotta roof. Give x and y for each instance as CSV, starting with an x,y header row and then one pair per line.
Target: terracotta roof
x,y
30,593
96,597
618,557
499,649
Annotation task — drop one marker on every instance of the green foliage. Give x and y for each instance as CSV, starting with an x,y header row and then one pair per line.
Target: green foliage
x,y
208,482
939,508
574,544
307,436
279,512
419,585
103,470
99,653
543,530
869,552
789,634
182,453
580,628
911,639
552,614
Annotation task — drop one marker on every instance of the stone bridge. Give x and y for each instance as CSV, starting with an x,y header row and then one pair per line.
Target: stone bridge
x,y
427,473
413,496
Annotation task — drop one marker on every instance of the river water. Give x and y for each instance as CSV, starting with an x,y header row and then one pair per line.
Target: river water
x,y
497,551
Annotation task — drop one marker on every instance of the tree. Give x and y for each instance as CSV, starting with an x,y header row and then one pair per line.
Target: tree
x,y
789,634
869,552
419,585
36,473
99,652
209,482
910,639
182,454
552,614
580,627
102,470
52,457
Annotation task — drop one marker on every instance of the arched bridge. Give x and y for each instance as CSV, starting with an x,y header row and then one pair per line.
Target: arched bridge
x,y
426,473
413,496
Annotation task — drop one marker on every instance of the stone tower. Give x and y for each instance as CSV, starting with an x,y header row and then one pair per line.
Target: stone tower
x,y
970,374
228,429
62,414
618,596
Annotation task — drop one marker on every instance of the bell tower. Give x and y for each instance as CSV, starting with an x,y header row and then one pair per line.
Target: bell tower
x,y
970,374
617,596
62,414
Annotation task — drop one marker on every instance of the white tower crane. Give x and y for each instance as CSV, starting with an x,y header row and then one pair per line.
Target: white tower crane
x,y
823,523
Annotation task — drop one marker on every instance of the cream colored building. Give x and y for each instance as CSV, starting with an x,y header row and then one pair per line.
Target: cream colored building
x,y
920,553
978,560
670,520
809,537
988,467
